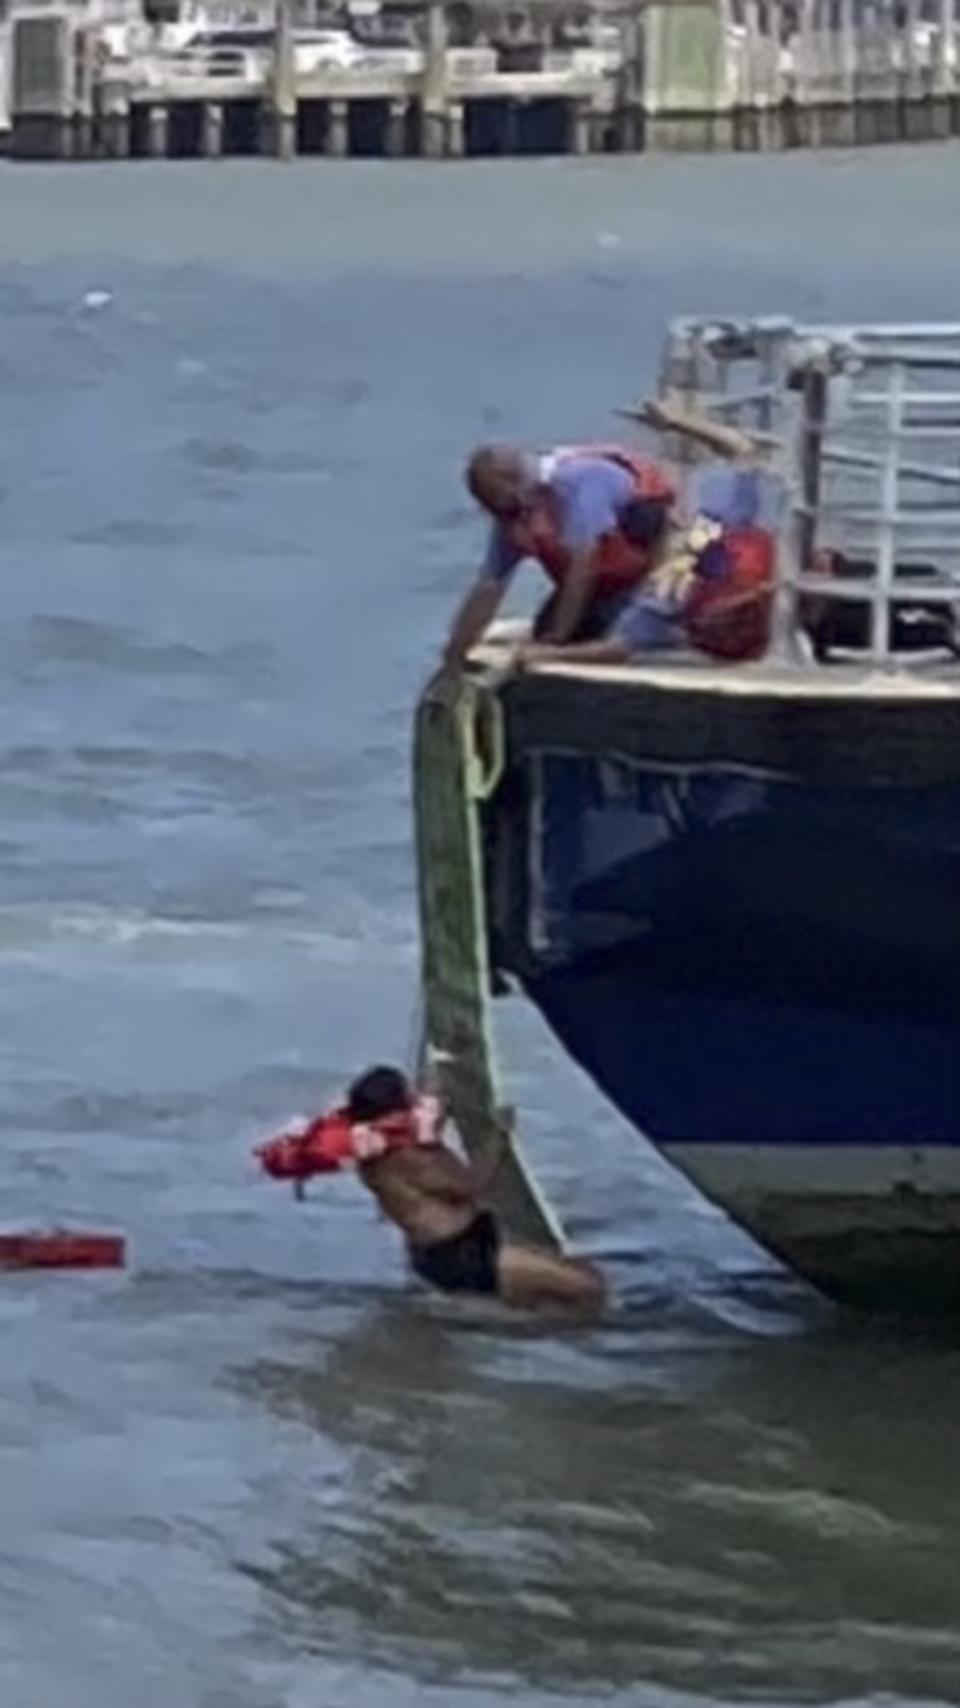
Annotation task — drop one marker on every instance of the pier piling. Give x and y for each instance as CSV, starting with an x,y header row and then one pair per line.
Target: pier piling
x,y
434,100
283,125
687,96
212,130
395,132
158,132
337,142
115,140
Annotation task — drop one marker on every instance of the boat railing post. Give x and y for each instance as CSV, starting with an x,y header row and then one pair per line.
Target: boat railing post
x,y
789,555
886,561
681,376
800,466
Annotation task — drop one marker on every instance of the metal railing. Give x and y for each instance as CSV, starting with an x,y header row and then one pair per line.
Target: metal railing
x,y
860,430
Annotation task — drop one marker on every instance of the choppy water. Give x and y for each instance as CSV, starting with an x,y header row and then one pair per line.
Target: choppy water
x,y
256,1471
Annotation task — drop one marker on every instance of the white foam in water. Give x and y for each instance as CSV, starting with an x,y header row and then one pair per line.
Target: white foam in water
x,y
94,302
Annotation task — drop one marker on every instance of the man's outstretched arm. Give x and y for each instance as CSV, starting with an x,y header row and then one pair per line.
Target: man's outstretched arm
x,y
474,615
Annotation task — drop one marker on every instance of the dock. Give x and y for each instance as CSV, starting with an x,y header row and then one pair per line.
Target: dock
x,y
544,78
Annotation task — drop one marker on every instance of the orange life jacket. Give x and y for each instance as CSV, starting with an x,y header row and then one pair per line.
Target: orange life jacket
x,y
729,616
619,563
332,1141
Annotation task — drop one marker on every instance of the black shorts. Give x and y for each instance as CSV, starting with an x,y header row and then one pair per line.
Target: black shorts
x,y
467,1263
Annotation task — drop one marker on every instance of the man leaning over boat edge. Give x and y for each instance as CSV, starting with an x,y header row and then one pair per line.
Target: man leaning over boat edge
x,y
710,584
588,515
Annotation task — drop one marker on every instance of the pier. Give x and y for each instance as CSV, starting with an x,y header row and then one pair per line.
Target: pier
x,y
469,80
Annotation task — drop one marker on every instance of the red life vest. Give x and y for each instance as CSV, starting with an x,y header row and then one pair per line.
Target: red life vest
x,y
619,563
332,1141
729,616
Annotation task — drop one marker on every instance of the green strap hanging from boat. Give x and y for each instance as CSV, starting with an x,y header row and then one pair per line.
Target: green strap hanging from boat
x,y
458,761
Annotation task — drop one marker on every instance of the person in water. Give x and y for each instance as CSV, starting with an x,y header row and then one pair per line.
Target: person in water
x,y
394,1138
588,516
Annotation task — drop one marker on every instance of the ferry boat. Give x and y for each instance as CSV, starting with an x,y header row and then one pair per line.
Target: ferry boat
x,y
733,890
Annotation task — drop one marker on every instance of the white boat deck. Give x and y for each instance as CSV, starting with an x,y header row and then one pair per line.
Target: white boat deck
x,y
681,673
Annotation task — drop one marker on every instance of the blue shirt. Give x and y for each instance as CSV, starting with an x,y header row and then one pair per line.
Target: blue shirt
x,y
736,497
651,622
590,493
648,623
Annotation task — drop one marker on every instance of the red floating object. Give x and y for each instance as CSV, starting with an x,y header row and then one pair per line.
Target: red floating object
x,y
59,1248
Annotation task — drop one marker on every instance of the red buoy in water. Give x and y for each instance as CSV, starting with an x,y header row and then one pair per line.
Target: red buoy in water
x,y
60,1248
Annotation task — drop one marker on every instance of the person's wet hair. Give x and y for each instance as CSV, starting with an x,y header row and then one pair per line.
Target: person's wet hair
x,y
378,1092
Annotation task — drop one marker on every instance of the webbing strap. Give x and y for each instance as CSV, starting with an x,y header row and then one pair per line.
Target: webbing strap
x,y
458,759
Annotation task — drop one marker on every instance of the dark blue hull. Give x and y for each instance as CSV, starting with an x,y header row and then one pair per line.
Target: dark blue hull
x,y
738,959
762,971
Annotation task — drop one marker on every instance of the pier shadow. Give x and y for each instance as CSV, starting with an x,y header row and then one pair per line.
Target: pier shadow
x,y
504,127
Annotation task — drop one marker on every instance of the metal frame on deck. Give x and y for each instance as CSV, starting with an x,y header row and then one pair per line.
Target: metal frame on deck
x,y
832,410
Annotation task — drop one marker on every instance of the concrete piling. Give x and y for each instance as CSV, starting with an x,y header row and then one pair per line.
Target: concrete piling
x,y
395,133
158,132
211,130
456,130
580,127
434,98
282,125
687,97
41,95
115,133
337,142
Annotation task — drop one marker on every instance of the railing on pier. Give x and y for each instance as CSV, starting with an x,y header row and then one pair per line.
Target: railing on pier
x,y
861,428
